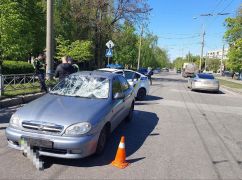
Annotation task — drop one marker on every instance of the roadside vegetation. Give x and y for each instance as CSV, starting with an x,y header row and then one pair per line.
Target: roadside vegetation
x,y
230,84
81,30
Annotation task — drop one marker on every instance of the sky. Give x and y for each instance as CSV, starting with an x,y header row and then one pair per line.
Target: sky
x,y
179,24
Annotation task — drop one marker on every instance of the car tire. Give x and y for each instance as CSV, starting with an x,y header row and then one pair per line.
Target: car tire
x,y
141,94
102,140
130,116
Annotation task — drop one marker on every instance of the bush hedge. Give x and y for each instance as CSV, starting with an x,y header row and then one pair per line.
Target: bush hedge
x,y
17,67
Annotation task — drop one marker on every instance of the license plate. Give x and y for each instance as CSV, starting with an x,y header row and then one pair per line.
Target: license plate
x,y
37,142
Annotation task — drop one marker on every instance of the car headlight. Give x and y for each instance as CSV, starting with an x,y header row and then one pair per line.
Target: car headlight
x,y
15,121
78,129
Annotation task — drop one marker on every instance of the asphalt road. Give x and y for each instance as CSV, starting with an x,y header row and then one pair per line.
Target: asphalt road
x,y
176,134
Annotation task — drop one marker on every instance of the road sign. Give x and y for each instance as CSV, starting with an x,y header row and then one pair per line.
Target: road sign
x,y
110,44
109,53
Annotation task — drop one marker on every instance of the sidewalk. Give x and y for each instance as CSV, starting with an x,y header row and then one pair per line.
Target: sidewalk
x,y
7,102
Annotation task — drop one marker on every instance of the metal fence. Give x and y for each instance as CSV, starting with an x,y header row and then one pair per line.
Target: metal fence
x,y
16,82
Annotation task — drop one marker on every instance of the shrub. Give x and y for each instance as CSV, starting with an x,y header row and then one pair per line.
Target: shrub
x,y
17,67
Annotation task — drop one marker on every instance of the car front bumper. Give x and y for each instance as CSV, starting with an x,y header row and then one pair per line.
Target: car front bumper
x,y
63,147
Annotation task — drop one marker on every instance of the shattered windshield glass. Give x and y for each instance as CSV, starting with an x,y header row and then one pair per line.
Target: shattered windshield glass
x,y
83,86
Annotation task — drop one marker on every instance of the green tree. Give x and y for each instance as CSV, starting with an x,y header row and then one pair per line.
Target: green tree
x,y
22,28
126,50
213,64
233,36
78,50
178,62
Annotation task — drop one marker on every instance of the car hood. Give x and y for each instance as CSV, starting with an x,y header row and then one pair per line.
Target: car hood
x,y
64,110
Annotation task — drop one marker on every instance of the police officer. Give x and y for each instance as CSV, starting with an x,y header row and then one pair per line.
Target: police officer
x,y
39,66
149,74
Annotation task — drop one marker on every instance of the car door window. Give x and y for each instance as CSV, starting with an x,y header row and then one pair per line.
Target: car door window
x,y
117,87
129,75
119,72
136,76
124,83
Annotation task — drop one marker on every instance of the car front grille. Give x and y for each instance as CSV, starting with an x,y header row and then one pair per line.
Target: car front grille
x,y
42,127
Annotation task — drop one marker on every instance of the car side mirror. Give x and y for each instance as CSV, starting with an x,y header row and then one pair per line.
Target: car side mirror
x,y
119,95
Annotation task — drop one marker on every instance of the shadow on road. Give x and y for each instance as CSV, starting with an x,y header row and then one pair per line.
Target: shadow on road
x,y
152,98
135,133
5,114
208,92
170,80
147,100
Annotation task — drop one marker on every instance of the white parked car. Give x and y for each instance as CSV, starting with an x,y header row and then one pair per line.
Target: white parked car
x,y
139,81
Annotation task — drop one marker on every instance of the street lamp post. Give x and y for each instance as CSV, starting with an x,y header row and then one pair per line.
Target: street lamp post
x,y
140,42
49,38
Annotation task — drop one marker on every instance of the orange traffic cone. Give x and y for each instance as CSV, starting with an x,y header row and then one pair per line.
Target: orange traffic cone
x,y
120,161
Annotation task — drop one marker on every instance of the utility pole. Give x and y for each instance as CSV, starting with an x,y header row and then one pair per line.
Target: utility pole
x,y
49,38
201,57
222,60
140,39
188,56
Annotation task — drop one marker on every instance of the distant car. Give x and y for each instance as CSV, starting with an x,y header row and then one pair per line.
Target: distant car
x,y
202,81
75,118
143,71
165,70
157,71
178,70
139,81
227,74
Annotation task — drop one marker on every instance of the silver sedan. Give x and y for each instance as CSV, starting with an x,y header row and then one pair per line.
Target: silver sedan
x,y
203,81
75,118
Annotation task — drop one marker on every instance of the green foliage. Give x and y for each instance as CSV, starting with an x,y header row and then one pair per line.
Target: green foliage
x,y
178,62
233,36
22,25
17,67
126,50
81,50
213,64
78,50
235,56
151,54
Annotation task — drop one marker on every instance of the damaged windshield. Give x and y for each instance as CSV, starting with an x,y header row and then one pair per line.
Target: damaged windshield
x,y
83,86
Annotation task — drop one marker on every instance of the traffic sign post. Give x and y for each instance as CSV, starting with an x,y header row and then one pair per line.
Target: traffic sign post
x,y
109,51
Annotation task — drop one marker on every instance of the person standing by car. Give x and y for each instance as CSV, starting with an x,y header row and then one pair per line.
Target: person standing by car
x,y
63,70
39,66
70,61
149,74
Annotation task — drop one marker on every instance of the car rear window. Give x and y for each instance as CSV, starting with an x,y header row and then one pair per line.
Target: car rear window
x,y
205,76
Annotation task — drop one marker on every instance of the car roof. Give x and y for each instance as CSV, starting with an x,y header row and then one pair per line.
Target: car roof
x,y
96,74
112,70
109,69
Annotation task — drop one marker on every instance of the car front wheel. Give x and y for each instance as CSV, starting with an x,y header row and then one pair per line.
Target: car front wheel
x,y
102,141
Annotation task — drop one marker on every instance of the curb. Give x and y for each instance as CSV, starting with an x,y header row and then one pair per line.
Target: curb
x,y
19,100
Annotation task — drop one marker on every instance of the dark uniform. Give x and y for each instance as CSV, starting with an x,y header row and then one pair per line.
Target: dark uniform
x,y
39,67
149,74
64,70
